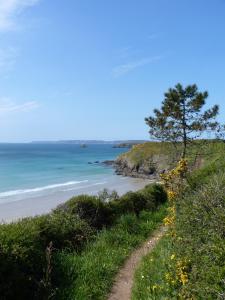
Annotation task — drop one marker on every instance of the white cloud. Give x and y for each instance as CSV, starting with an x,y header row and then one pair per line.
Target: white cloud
x,y
9,9
8,106
126,68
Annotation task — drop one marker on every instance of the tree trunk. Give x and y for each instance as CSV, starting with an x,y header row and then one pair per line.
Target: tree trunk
x,y
184,147
184,124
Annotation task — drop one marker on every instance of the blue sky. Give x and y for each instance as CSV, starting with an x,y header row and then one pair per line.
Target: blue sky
x,y
94,69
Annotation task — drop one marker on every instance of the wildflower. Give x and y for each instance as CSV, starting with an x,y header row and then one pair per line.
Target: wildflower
x,y
171,195
167,276
184,278
168,221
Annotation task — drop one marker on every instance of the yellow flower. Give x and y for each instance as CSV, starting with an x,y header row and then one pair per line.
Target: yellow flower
x,y
183,278
168,221
167,275
172,256
155,286
171,194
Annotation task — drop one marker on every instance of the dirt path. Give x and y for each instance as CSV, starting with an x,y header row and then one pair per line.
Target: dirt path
x,y
124,280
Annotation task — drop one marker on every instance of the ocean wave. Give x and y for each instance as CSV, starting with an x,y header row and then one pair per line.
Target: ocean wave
x,y
39,189
87,186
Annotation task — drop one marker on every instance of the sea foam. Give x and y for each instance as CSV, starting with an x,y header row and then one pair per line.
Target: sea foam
x,y
39,189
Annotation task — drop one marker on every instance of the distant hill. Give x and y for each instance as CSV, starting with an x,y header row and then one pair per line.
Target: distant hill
x,y
89,142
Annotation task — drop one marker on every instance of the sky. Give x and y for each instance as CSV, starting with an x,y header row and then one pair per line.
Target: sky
x,y
94,69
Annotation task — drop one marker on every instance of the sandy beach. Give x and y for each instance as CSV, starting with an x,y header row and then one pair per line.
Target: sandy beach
x,y
12,211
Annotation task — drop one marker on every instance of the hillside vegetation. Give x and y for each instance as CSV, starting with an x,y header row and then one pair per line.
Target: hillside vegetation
x,y
189,264
57,256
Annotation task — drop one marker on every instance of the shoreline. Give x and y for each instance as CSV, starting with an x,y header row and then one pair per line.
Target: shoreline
x,y
33,206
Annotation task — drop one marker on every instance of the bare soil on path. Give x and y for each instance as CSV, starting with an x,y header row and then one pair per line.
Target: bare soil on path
x,y
122,287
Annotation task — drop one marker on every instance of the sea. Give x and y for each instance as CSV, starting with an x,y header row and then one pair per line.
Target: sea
x,y
34,170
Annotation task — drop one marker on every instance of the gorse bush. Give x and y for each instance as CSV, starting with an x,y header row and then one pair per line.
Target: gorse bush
x,y
26,271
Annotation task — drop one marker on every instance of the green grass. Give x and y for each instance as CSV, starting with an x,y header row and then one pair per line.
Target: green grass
x,y
149,281
144,152
90,275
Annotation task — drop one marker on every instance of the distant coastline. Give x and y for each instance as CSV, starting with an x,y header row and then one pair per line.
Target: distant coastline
x,y
91,142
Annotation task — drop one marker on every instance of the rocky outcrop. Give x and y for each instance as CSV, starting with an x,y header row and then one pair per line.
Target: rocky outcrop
x,y
123,145
108,162
146,161
148,169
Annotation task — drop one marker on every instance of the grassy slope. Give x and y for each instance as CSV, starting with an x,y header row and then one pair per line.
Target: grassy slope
x,y
200,225
149,155
92,272
146,151
143,151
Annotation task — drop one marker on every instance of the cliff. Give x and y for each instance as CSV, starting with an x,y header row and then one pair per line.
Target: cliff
x,y
146,160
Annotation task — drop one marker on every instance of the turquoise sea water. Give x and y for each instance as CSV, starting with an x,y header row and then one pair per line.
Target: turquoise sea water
x,y
30,170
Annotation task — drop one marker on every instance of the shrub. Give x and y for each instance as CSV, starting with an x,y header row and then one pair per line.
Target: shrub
x,y
23,251
91,209
132,202
148,198
64,230
22,259
102,210
155,192
107,196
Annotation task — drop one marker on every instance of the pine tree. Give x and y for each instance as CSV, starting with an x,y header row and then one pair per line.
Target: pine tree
x,y
181,117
